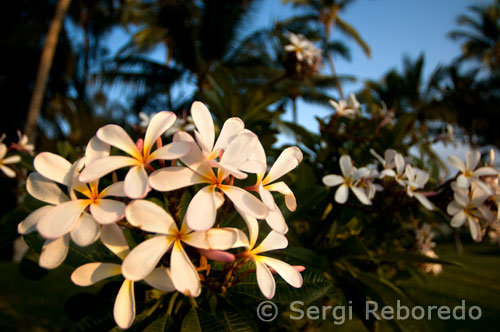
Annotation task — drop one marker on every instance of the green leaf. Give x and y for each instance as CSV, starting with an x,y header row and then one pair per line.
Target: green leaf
x,y
315,286
200,320
235,322
162,324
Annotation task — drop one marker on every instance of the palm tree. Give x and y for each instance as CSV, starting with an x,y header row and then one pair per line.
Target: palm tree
x,y
48,52
326,13
481,35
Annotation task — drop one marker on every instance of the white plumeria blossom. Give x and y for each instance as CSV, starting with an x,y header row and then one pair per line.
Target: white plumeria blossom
x,y
265,266
143,259
23,144
303,48
416,179
136,180
287,161
91,273
349,109
349,180
7,161
468,206
388,162
468,171
63,218
186,124
236,145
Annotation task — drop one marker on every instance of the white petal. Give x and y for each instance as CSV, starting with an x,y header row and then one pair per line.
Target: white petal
x,y
253,229
11,160
159,124
257,162
422,178
463,182
112,237
361,195
85,231
54,252
96,149
172,178
171,151
53,167
287,161
276,221
462,198
453,208
472,158
91,273
116,136
265,279
215,238
204,124
267,197
3,147
456,163
400,163
231,128
475,229
425,202
116,189
342,194
194,159
286,271
184,275
484,187
61,219
160,279
245,201
239,150
28,225
150,217
8,171
103,166
346,165
124,309
45,190
107,211
136,182
485,171
458,219
332,180
141,261
273,241
201,212
283,189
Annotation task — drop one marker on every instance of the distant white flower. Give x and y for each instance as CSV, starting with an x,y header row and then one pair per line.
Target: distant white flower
x,y
186,124
468,171
144,120
302,47
349,180
91,273
431,268
349,109
23,145
7,161
416,179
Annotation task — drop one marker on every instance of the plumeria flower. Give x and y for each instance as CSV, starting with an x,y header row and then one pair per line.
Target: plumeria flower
x,y
184,124
349,180
91,273
142,259
7,161
288,160
367,184
469,206
349,109
23,145
416,179
397,171
468,171
301,46
265,266
136,180
431,268
388,162
202,209
144,120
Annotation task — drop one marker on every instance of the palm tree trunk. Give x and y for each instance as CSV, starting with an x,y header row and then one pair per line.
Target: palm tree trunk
x,y
44,68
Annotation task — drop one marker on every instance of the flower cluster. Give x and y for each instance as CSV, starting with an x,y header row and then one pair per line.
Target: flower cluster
x,y
308,57
350,108
476,194
361,180
424,242
84,212
22,146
